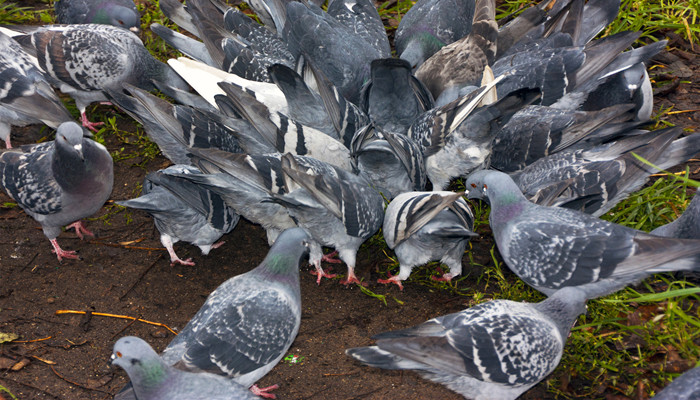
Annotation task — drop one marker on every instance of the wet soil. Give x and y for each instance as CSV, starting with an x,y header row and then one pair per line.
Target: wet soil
x,y
125,271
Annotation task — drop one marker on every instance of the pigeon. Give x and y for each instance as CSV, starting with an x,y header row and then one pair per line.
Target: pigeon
x,y
340,212
495,350
594,179
330,46
27,96
153,379
553,247
248,323
393,98
685,387
431,24
120,13
462,63
362,19
392,162
183,210
631,85
425,226
246,183
456,140
59,182
686,226
85,60
177,128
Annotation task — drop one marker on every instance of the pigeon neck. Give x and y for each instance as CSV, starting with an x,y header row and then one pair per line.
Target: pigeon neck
x,y
506,207
151,373
281,266
563,307
68,168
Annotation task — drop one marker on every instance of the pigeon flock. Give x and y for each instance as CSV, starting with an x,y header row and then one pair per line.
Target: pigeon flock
x,y
307,125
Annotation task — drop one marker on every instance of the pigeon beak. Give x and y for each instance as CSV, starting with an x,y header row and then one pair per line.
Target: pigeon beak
x,y
79,149
135,29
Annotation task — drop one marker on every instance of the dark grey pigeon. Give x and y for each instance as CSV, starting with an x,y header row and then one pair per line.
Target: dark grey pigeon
x,y
553,247
494,350
331,47
687,226
629,86
339,212
393,98
392,162
362,19
86,60
26,96
120,13
183,210
685,387
427,226
153,379
59,182
462,63
247,324
594,179
431,24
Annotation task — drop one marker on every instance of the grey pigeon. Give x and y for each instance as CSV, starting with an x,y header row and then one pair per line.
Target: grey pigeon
x,y
26,97
431,24
120,13
594,179
425,226
248,323
339,212
85,60
685,387
392,162
462,63
687,226
153,379
457,138
331,47
631,85
495,350
553,247
183,210
59,182
393,98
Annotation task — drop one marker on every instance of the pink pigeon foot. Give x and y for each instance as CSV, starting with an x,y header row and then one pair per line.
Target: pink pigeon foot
x,y
263,392
7,142
392,279
60,253
351,278
218,244
446,277
90,125
320,273
331,258
80,229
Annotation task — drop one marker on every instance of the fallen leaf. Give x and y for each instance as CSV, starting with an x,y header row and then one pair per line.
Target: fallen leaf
x,y
8,337
21,364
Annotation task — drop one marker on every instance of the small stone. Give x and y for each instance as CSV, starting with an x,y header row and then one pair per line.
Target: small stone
x,y
159,333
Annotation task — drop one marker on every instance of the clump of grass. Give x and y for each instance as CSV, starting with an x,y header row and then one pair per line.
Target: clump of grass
x,y
13,14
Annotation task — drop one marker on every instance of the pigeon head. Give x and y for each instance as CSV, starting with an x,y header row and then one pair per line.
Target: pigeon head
x,y
139,360
119,16
69,138
489,184
564,306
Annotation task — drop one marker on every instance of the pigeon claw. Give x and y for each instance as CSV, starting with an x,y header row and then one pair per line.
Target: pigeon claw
x,y
263,392
61,254
177,260
320,273
218,244
90,125
392,279
351,278
331,258
445,278
80,229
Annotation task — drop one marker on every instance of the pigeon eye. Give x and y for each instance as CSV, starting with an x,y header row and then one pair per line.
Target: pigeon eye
x,y
474,185
485,187
119,354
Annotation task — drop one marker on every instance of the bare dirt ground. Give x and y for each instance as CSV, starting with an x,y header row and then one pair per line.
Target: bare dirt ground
x,y
124,270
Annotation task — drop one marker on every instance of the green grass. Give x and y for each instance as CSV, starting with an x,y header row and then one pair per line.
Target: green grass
x,y
13,13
